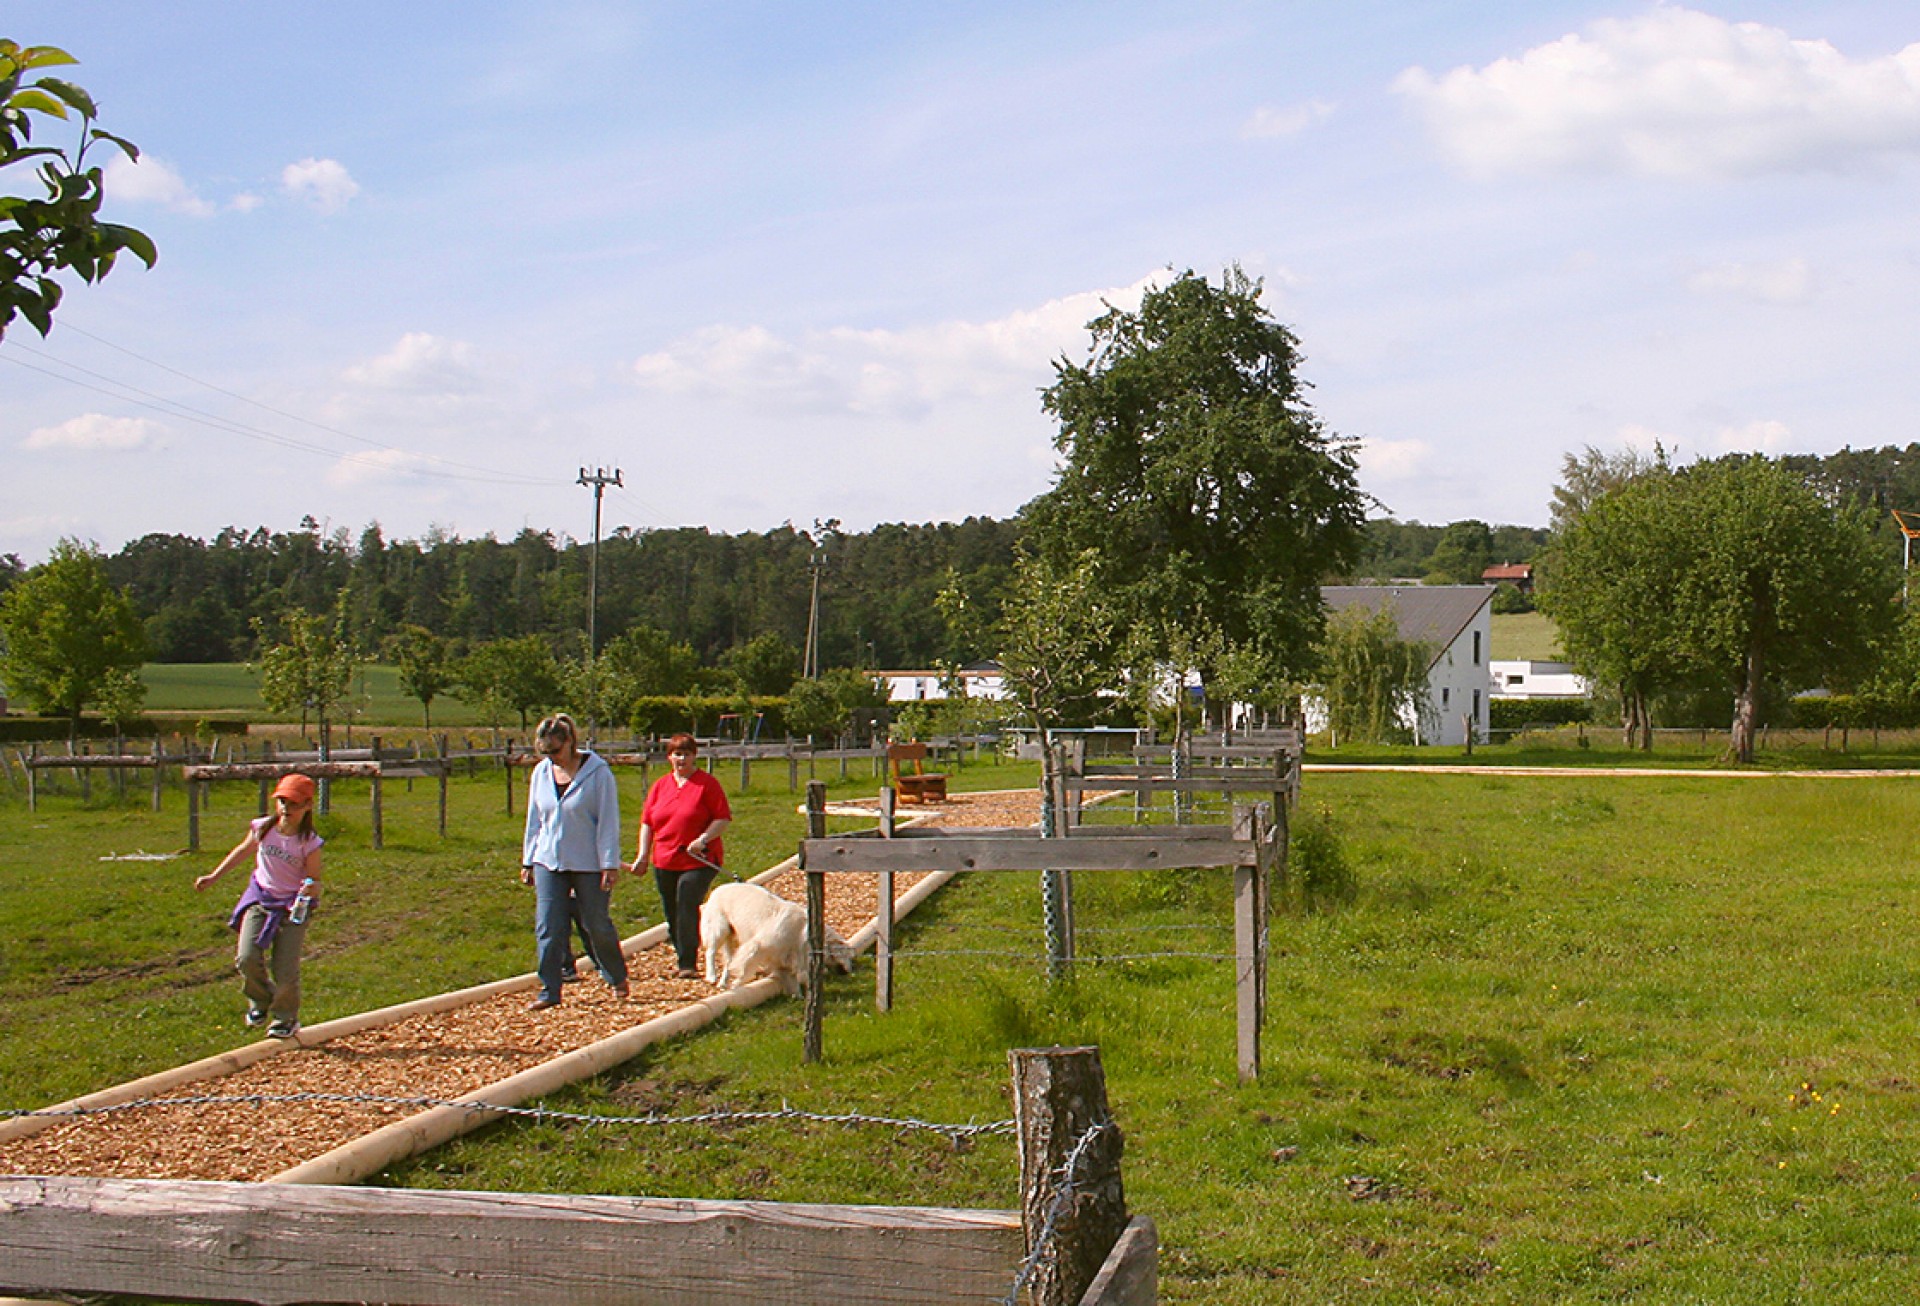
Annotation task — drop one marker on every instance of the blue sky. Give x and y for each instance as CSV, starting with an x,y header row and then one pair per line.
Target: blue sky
x,y
421,263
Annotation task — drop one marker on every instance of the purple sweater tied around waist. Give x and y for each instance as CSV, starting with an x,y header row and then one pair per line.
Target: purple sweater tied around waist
x,y
277,909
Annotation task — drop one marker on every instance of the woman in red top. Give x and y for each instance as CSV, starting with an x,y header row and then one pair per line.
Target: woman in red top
x,y
680,838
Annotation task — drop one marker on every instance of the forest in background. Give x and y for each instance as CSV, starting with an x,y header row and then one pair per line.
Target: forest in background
x,y
715,591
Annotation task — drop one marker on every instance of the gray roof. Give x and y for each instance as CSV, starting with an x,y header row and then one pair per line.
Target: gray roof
x,y
1432,614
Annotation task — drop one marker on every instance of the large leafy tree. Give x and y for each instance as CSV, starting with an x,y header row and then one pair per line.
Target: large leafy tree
x,y
60,231
1213,497
65,629
1735,571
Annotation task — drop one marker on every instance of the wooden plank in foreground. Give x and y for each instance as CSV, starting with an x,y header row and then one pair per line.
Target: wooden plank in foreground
x,y
281,1244
1099,852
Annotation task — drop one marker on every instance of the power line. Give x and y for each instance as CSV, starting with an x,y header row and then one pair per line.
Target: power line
x,y
186,412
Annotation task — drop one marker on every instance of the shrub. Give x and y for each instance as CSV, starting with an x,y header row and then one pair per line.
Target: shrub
x,y
1518,713
1317,862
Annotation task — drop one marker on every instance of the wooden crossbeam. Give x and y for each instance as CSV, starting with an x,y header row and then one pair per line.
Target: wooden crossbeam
x,y
1081,852
292,1243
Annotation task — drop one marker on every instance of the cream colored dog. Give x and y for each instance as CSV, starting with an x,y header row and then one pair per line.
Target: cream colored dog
x,y
749,932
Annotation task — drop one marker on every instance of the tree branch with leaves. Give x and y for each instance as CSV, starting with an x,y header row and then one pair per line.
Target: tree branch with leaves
x,y
61,231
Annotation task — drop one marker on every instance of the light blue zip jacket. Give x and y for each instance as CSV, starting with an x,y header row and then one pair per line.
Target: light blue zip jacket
x,y
579,831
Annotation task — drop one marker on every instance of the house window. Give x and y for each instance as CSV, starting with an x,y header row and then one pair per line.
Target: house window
x,y
1516,680
1444,694
1476,648
1476,705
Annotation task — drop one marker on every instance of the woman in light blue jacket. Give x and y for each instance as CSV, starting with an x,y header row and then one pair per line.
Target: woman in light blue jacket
x,y
571,856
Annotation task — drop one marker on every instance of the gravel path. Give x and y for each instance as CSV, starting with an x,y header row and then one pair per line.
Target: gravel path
x,y
442,1056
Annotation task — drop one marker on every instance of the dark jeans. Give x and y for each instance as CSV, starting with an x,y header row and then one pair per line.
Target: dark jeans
x,y
681,893
558,894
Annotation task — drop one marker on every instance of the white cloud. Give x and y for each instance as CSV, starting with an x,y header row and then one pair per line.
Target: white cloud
x,y
151,180
323,183
1268,121
94,433
1788,281
421,363
374,466
1756,437
1393,460
879,372
1676,93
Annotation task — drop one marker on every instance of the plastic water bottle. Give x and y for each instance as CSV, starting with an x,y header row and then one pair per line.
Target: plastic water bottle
x,y
303,900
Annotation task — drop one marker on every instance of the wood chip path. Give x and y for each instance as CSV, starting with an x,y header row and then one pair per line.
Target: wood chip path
x,y
440,1055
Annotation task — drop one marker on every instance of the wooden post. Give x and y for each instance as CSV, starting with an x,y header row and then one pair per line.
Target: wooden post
x,y
506,764
33,778
793,770
746,774
816,926
159,757
85,774
1059,1094
1247,962
883,914
193,815
379,831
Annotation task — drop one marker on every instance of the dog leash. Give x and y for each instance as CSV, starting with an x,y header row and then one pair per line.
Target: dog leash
x,y
712,865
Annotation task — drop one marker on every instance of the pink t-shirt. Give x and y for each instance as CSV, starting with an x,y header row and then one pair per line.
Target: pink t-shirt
x,y
281,862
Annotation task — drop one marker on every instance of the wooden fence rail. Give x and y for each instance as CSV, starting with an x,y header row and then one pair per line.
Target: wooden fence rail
x,y
1252,847
316,1243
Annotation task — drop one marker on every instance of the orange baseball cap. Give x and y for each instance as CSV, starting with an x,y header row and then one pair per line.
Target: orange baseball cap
x,y
294,788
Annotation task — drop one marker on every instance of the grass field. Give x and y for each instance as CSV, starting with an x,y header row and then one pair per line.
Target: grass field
x,y
1524,637
230,689
1594,1039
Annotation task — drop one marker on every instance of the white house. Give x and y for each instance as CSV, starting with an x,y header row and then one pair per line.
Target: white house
x,y
982,680
1454,620
1519,679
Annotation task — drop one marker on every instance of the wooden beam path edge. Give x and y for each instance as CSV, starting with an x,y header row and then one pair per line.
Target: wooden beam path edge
x,y
335,1244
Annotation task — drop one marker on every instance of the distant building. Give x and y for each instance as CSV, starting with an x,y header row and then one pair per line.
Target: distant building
x,y
982,680
1525,679
1517,574
1454,620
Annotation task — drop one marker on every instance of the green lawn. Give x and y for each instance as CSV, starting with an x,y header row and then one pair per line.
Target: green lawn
x,y
1525,637
1578,1040
230,689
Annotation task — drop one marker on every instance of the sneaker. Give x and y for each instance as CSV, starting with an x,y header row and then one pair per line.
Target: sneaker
x,y
543,1003
621,991
569,976
256,1017
283,1028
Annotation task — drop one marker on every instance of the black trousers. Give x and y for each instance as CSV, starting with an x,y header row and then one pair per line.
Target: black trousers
x,y
681,893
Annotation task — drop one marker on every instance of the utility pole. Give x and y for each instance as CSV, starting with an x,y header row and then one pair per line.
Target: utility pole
x,y
816,565
599,480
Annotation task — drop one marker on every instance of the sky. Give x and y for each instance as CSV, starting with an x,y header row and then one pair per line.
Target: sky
x,y
422,264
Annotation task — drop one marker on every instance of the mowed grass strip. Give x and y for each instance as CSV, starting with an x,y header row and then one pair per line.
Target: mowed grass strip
x,y
1588,1039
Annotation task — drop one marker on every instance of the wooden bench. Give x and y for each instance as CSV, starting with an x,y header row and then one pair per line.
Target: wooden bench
x,y
921,786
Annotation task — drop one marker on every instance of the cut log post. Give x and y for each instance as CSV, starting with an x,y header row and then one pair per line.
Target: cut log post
x,y
816,928
193,815
446,771
883,914
506,767
1073,1206
33,784
159,758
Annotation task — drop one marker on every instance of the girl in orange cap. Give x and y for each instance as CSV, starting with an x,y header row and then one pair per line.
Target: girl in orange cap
x,y
286,855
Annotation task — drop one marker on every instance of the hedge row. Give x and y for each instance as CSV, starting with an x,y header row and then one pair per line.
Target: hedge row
x,y
1517,713
25,729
